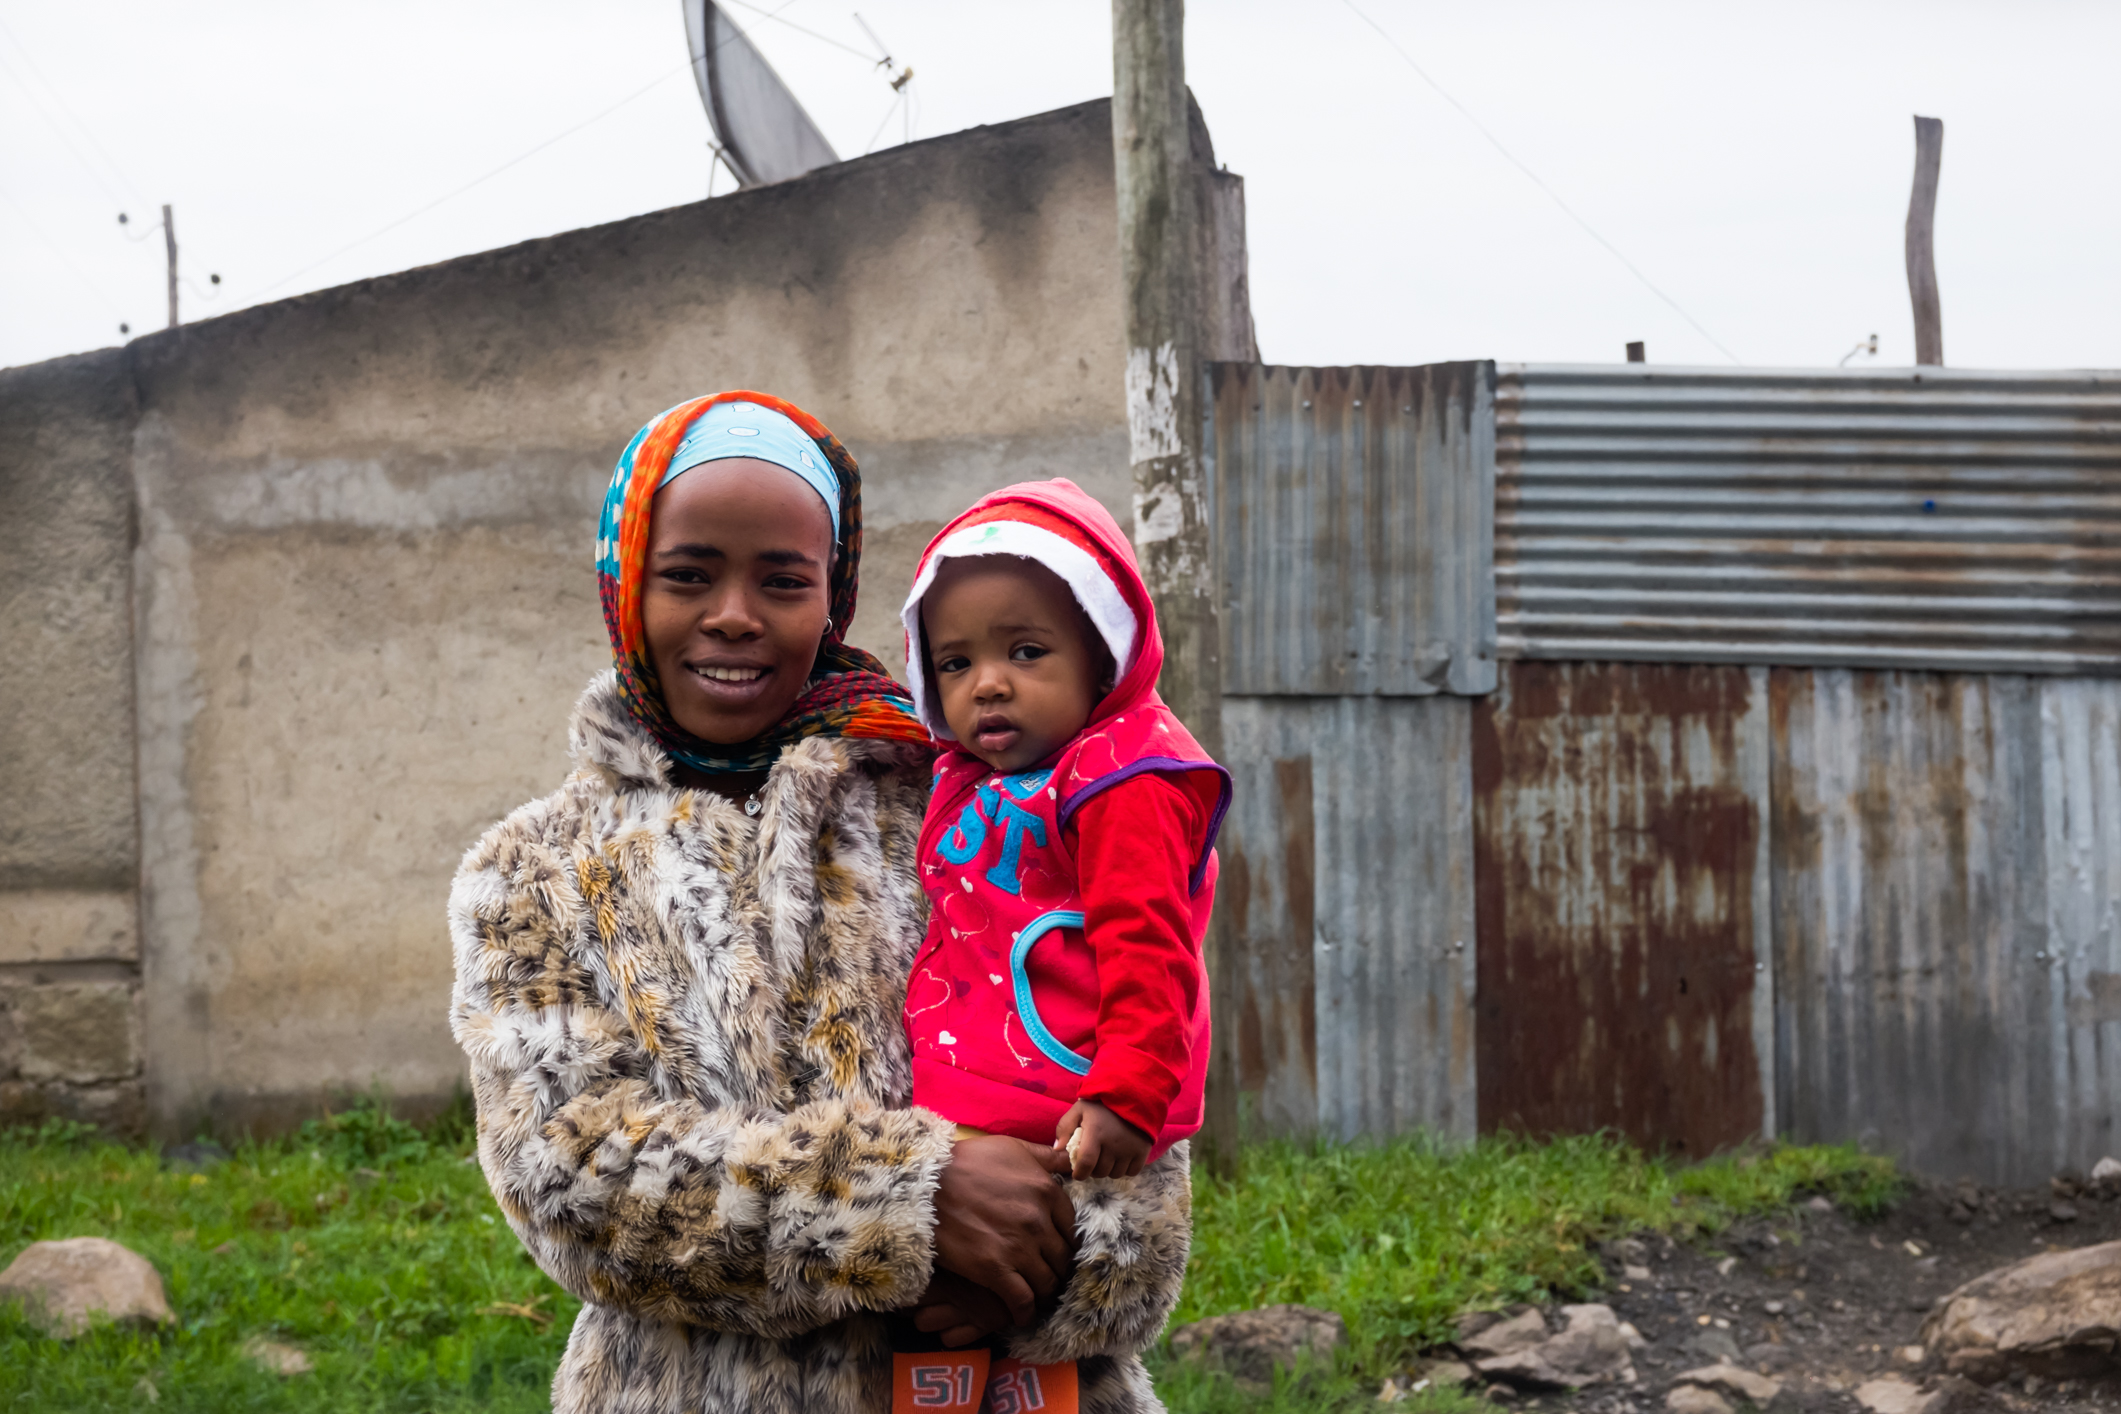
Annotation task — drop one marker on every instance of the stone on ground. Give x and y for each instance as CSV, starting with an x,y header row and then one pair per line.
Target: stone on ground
x,y
2107,1171
1589,1350
282,1360
63,1286
1446,1374
1488,1333
2056,1315
1713,1347
1693,1399
1733,1380
1892,1395
1250,1345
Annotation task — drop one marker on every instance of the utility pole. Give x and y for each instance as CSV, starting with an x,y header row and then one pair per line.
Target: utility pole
x,y
169,239
1159,227
1922,242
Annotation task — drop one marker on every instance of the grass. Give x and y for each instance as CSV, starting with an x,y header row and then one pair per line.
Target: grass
x,y
376,1249
372,1247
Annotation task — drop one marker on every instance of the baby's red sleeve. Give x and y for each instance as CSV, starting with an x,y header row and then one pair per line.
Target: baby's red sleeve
x,y
1134,848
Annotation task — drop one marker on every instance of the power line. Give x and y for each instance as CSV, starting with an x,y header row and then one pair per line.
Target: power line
x,y
64,136
64,259
59,96
1552,195
821,38
690,60
476,181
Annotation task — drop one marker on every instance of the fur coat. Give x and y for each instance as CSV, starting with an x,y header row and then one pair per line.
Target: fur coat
x,y
691,1079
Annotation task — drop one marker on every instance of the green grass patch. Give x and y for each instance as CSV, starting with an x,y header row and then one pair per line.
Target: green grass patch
x,y
375,1248
371,1246
1401,1237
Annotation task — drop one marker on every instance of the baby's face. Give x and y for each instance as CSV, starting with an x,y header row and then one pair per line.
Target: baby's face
x,y
1012,658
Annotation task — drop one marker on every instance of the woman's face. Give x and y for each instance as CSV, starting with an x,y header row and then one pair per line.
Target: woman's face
x,y
735,595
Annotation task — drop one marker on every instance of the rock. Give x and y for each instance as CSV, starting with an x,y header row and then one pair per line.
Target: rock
x,y
1693,1399
1953,1395
1637,1342
63,1285
2107,1171
1589,1350
2062,1212
1910,1354
1892,1395
1635,1273
1250,1345
1712,1346
1491,1333
195,1157
1821,1204
1770,1358
1447,1374
2057,1315
282,1360
1734,1380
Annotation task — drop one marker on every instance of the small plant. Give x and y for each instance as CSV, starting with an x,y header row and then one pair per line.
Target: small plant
x,y
366,1135
53,1133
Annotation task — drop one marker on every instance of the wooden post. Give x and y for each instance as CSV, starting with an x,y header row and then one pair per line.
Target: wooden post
x,y
1159,242
1921,242
169,239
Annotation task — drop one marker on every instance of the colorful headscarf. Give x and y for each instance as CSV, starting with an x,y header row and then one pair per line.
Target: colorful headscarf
x,y
849,693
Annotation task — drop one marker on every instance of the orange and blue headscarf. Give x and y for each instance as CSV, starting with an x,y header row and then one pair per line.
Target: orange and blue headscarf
x,y
849,693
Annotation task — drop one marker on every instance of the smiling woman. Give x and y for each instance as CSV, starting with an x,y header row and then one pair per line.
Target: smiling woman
x,y
734,601
679,980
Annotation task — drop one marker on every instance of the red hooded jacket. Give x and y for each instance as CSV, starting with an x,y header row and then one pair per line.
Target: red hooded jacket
x,y
1069,901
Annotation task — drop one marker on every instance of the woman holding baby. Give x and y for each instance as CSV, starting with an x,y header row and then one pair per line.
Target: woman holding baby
x,y
707,1102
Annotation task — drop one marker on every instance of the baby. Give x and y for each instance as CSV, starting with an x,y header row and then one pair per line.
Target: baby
x,y
1068,851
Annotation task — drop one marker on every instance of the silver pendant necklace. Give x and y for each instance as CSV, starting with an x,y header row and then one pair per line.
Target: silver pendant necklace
x,y
752,804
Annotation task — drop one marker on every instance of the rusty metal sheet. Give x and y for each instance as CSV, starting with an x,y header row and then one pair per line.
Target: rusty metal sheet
x,y
1621,855
1268,894
2080,769
1941,518
1348,869
1354,511
1911,918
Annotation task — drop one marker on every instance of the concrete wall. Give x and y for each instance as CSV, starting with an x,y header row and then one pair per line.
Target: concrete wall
x,y
364,596
69,936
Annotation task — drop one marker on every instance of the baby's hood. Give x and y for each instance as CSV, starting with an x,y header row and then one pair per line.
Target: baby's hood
x,y
1062,527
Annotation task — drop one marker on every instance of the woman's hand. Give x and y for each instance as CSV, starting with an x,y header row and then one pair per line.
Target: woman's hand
x,y
1002,1222
958,1311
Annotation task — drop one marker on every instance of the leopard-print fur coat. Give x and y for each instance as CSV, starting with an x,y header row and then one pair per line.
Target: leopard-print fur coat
x,y
691,1076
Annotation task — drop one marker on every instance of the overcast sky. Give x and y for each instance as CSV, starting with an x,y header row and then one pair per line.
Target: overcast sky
x,y
1751,160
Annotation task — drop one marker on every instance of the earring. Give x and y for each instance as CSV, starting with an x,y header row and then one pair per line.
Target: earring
x,y
828,626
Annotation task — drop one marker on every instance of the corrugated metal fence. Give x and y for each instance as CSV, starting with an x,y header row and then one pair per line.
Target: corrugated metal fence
x,y
1934,519
1854,874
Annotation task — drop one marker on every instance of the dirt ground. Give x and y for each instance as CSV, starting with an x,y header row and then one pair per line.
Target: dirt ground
x,y
1825,1302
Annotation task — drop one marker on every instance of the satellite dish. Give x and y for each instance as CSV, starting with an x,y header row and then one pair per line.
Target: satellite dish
x,y
763,133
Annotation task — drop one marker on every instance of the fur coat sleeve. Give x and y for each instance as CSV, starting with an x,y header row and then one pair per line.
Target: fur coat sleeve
x,y
683,1034
1132,1237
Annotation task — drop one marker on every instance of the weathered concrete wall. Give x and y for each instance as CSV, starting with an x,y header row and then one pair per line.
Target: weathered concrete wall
x,y
365,599
69,940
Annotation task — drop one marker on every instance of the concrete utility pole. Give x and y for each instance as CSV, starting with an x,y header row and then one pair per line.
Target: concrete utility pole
x,y
169,239
1159,228
1922,242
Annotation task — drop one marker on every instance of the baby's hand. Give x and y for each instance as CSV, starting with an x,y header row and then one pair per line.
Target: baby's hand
x,y
1099,1143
